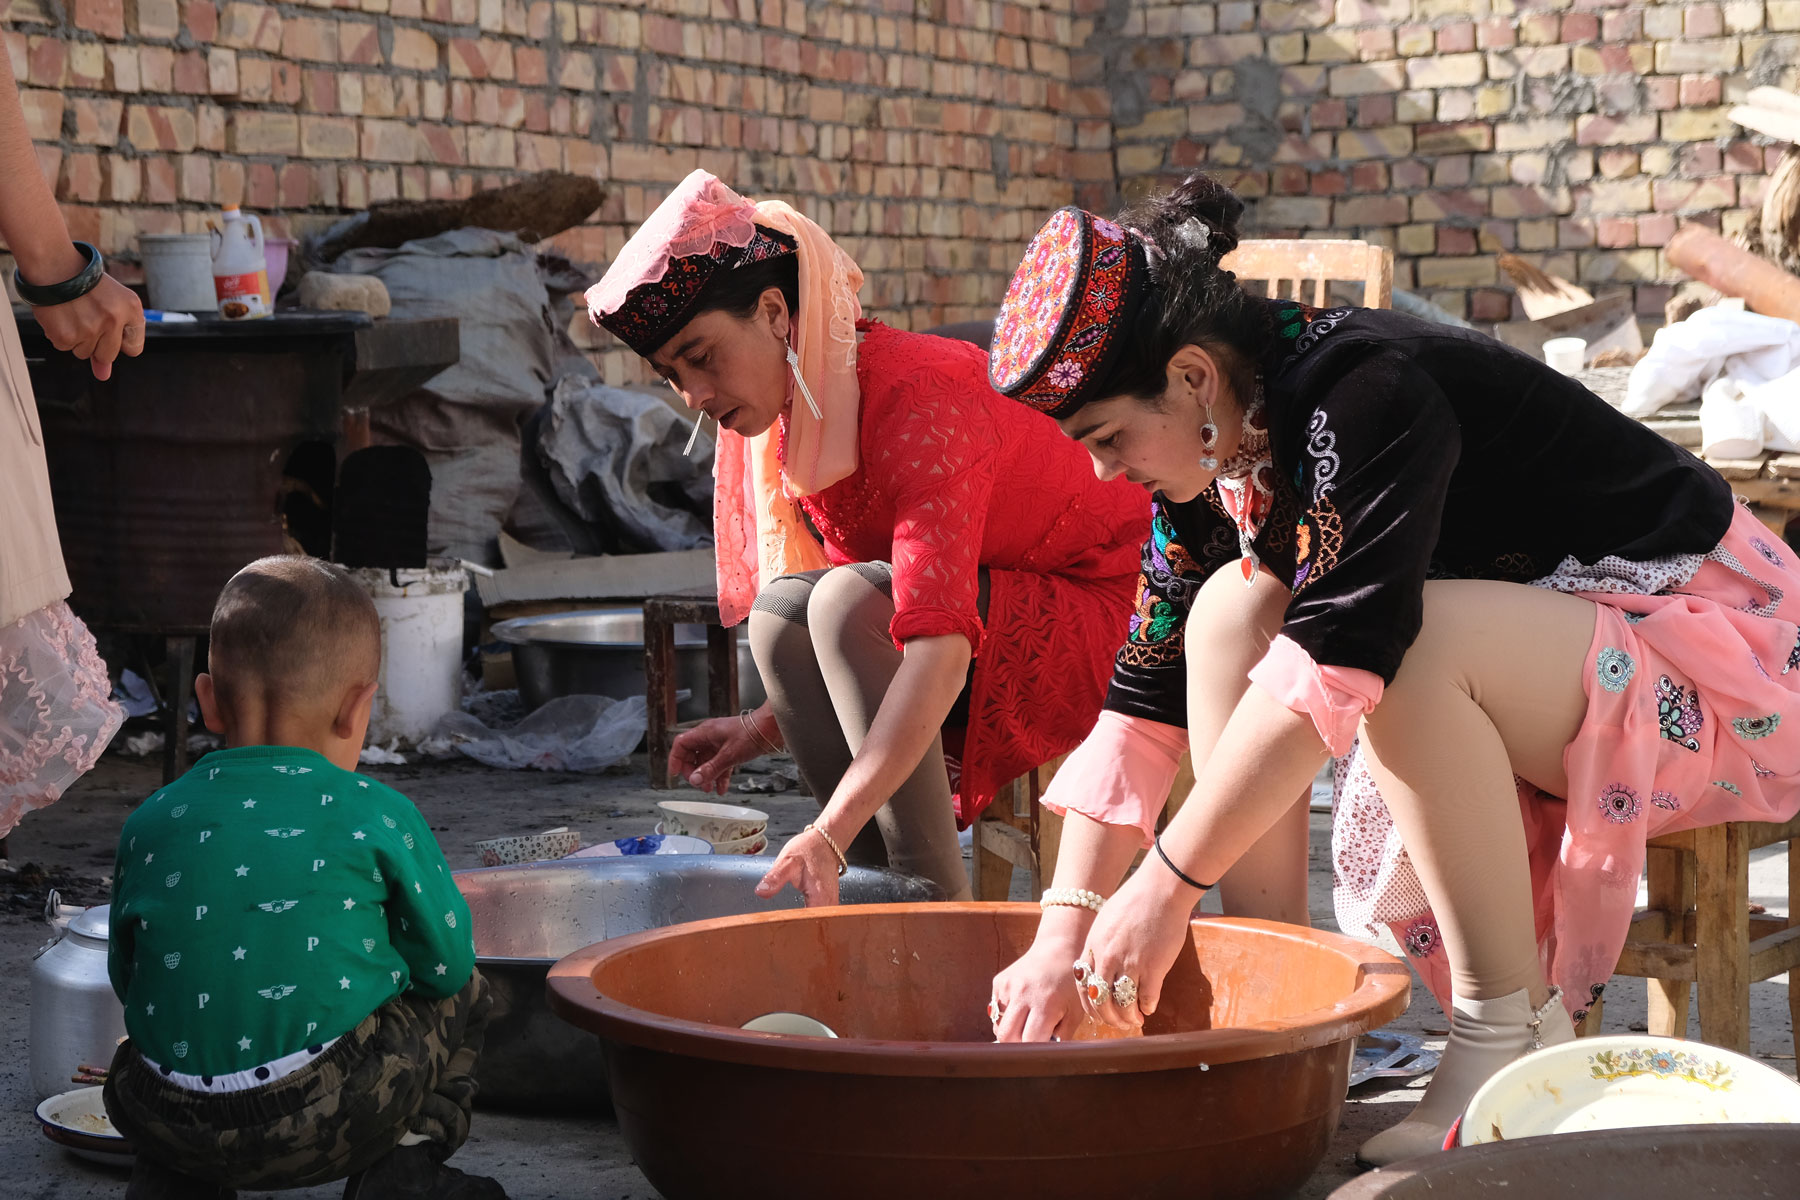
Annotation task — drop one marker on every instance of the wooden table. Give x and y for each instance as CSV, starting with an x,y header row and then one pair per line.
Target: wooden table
x,y
661,615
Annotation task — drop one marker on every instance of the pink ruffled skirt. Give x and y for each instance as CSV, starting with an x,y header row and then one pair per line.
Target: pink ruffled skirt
x,y
1693,719
55,715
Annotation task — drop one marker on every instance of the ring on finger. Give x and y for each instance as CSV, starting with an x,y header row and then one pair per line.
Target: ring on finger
x,y
1124,990
996,1010
1093,985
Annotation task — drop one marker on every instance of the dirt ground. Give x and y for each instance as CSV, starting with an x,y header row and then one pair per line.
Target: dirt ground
x,y
547,1158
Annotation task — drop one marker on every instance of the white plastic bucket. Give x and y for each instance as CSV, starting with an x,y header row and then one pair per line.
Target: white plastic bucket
x,y
421,647
178,271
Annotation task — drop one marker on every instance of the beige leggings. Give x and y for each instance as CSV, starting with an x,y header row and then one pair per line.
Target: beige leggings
x,y
1491,688
822,646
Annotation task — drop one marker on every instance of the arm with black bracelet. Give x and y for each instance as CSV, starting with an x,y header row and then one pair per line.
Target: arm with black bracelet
x,y
82,309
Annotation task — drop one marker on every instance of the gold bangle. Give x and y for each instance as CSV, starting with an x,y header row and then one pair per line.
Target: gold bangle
x,y
843,863
757,735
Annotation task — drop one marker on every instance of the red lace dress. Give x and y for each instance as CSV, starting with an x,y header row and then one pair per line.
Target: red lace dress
x,y
954,477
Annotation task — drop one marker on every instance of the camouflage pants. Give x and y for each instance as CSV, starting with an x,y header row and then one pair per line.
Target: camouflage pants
x,y
407,1068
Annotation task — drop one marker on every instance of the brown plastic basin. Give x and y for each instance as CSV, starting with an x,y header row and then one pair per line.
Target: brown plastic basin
x,y
1235,1093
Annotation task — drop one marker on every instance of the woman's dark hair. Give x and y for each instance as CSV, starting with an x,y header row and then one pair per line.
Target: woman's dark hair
x,y
739,290
1192,300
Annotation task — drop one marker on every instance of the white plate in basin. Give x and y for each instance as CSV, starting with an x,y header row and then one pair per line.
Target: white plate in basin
x,y
652,844
1625,1083
77,1121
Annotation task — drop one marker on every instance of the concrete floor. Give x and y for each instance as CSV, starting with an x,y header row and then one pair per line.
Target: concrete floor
x,y
541,1158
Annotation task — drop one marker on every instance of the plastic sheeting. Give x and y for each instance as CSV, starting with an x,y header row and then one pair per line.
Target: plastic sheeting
x,y
571,733
615,458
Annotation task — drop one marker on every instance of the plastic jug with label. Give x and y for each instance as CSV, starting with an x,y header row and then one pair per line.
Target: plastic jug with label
x,y
240,269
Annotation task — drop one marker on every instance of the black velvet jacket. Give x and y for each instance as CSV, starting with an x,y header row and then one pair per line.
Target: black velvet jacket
x,y
1407,451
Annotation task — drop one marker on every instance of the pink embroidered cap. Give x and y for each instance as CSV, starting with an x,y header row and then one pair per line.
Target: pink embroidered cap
x,y
1066,312
701,228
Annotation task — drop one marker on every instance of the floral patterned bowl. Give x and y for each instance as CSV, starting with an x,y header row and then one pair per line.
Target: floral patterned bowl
x,y
714,822
1624,1083
532,847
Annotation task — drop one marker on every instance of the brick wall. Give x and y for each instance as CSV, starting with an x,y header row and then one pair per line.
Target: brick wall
x,y
928,134
931,135
1576,134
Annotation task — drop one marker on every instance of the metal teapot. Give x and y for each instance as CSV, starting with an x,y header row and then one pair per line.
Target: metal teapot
x,y
76,1020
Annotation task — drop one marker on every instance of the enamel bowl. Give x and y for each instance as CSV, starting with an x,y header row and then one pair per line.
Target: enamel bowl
x,y
714,822
1628,1082
77,1121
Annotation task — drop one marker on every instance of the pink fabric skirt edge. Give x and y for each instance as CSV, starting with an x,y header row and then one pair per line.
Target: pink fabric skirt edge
x,y
55,714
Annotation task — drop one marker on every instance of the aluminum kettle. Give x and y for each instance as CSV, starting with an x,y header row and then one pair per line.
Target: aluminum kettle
x,y
76,1020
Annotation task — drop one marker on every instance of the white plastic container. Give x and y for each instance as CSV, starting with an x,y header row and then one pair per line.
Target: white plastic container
x,y
240,267
421,647
178,271
1566,354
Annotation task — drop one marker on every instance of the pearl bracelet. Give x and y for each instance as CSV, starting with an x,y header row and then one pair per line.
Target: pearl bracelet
x,y
1072,897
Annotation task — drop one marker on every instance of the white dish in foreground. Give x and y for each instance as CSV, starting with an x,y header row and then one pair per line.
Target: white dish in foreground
x,y
1626,1082
77,1121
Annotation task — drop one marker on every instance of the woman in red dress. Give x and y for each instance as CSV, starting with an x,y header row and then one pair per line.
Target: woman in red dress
x,y
930,572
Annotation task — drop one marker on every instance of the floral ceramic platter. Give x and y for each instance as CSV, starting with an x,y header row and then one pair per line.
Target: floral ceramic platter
x,y
1624,1083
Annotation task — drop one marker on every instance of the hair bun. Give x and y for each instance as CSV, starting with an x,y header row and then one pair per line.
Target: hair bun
x,y
1200,200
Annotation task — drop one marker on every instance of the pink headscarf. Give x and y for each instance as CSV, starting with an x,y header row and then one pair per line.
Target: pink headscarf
x,y
758,529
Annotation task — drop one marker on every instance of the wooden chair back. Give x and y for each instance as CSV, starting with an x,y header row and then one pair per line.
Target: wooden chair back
x,y
1276,262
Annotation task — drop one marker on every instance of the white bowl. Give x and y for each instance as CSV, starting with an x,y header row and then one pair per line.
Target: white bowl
x,y
77,1121
1626,1083
756,843
714,822
792,1024
656,843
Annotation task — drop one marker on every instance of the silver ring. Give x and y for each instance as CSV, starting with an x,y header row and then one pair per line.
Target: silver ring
x,y
996,1010
1125,991
1094,988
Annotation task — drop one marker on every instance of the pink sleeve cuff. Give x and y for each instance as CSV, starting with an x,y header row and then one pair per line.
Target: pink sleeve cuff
x,y
1121,773
1336,698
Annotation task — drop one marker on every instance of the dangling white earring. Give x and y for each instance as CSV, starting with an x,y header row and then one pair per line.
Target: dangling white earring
x,y
805,392
1209,438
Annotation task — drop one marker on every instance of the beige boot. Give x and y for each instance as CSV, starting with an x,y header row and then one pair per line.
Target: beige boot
x,y
1485,1035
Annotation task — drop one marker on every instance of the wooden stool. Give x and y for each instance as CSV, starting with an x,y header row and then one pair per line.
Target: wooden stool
x,y
1016,832
661,615
1698,929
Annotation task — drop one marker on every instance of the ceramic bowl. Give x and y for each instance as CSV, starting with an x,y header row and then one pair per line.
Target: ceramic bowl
x,y
754,844
531,847
789,1023
714,822
1626,1082
77,1121
654,843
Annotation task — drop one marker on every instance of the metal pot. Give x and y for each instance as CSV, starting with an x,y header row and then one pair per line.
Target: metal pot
x,y
527,917
601,653
76,1020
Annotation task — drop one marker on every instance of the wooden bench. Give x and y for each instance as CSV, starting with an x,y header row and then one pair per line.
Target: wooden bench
x,y
661,615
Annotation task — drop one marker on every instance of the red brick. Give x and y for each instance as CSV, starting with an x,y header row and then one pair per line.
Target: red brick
x,y
1615,232
196,178
1580,27
1703,21
532,66
1454,139
124,179
221,72
104,17
1499,34
328,137
250,25
415,50
43,114
1700,91
1290,180
1373,210
1369,177
296,185
1671,195
389,141
97,121
1456,242
260,191
577,73
1630,130
319,90
1622,27
80,178
1487,304
191,78
49,62
1699,159
1327,183
359,44
156,69
161,129
87,66
254,132
1743,158
1456,39
1375,111
442,144
202,20
309,40
1662,91
160,183
1655,229
156,18
1411,175
1329,114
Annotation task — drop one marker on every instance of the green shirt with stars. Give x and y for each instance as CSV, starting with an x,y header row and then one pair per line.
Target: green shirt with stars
x,y
268,901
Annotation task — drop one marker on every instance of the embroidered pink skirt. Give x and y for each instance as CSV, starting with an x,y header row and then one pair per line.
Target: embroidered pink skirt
x,y
1693,719
55,715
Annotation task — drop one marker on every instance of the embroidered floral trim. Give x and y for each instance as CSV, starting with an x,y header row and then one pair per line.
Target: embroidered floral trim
x,y
1423,938
1665,801
1609,1065
1767,551
1793,655
1304,326
1321,446
1620,804
1678,712
1615,669
1754,729
1729,786
1318,540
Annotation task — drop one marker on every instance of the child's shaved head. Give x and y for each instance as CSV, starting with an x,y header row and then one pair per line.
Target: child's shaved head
x,y
297,630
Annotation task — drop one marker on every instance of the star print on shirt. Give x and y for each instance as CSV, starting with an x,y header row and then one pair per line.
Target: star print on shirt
x,y
344,984
349,904
359,835
148,858
441,968
149,1010
249,804
242,871
243,1043
238,954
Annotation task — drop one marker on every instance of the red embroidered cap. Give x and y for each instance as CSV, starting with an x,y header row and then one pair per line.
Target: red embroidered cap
x,y
1066,312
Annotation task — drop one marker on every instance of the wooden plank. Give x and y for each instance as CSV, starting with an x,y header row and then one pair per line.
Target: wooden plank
x,y
1658,960
660,684
1736,469
1722,935
1670,887
1771,956
601,577
1319,261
